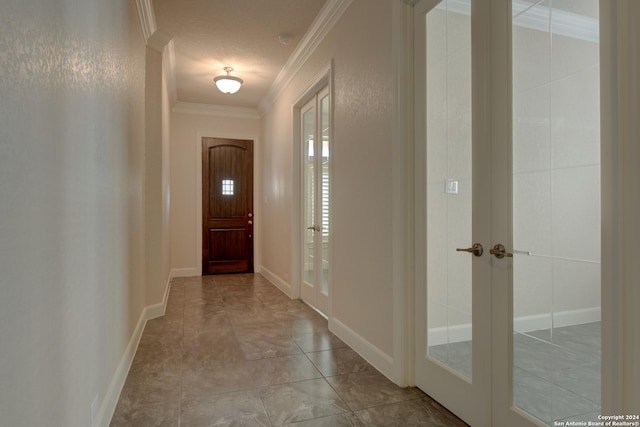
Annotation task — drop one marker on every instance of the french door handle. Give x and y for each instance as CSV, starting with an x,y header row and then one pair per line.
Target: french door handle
x,y
476,249
500,252
314,228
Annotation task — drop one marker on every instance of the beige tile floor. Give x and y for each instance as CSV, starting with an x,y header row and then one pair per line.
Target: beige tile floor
x,y
233,350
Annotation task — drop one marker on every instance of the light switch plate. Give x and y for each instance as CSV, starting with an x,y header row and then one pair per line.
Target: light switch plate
x,y
451,186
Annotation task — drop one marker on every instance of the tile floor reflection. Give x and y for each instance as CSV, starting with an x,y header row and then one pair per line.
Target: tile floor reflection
x,y
233,350
556,374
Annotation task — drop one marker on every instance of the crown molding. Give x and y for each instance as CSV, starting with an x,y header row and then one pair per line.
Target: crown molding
x,y
169,65
536,17
160,41
147,18
216,110
324,22
563,23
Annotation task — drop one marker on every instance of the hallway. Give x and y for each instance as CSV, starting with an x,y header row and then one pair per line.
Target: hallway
x,y
234,350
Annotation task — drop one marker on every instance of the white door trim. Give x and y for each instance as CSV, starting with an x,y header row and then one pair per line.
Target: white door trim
x,y
324,77
402,204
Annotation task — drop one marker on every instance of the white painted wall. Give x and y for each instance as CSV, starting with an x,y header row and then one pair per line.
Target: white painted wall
x,y
186,129
362,292
72,138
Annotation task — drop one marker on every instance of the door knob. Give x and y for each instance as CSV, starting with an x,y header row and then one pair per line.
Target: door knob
x,y
476,249
250,215
500,252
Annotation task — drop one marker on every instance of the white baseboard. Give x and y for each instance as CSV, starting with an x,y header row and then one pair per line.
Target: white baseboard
x,y
444,335
158,310
372,354
184,272
276,280
536,322
110,401
108,406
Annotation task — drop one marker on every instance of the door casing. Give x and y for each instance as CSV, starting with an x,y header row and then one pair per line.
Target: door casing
x,y
312,291
323,78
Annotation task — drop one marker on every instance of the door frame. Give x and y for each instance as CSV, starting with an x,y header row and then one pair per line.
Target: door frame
x,y
619,231
257,194
323,78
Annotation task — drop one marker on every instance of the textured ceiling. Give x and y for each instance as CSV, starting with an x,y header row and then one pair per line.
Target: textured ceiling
x,y
209,35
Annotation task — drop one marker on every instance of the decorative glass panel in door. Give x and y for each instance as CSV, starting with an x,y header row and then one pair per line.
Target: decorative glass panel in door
x,y
309,192
324,160
449,189
556,209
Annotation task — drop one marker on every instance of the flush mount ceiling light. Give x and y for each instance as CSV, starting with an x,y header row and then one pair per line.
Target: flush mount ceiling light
x,y
228,84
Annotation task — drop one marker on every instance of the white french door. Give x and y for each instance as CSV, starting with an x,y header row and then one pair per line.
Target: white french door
x,y
507,165
315,128
451,154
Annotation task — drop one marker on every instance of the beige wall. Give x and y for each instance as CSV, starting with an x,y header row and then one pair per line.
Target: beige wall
x,y
361,212
71,212
166,179
185,131
156,180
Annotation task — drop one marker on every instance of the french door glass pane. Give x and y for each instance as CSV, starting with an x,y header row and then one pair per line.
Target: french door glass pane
x,y
556,209
449,321
308,129
324,130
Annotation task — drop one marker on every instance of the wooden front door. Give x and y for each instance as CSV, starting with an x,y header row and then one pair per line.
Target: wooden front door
x,y
227,206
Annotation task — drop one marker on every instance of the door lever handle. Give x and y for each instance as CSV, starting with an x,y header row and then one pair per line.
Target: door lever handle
x,y
500,252
476,249
314,228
